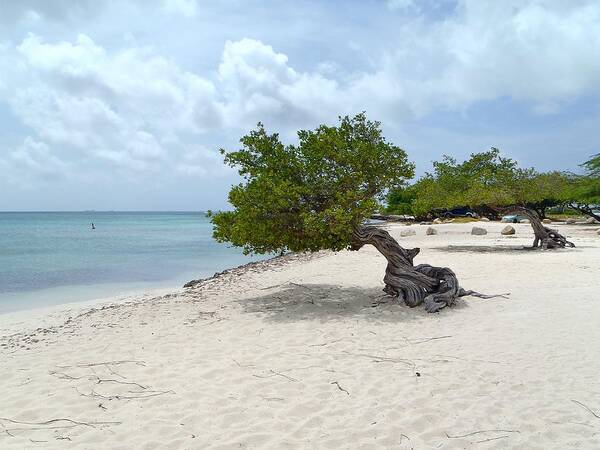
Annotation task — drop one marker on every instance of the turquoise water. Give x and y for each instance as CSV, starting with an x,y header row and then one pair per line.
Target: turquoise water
x,y
56,257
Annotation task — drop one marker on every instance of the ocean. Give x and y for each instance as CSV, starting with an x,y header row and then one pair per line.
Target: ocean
x,y
49,258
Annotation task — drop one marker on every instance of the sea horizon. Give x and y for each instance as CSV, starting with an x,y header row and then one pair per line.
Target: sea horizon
x,y
54,257
191,211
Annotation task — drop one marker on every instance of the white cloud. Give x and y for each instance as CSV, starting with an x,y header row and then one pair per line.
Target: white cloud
x,y
400,4
187,8
121,107
32,162
259,84
197,160
546,108
77,59
534,51
142,112
30,11
538,53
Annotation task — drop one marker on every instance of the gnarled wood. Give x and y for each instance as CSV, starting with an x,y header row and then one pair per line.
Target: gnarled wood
x,y
585,209
544,236
435,287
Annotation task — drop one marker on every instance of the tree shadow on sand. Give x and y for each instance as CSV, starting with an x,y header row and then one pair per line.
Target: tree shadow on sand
x,y
326,302
486,248
497,249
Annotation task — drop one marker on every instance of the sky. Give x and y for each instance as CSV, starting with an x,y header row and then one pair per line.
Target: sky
x,y
123,105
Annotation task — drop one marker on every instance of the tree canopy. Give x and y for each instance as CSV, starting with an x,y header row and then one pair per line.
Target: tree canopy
x,y
593,166
583,191
311,195
482,179
485,180
400,200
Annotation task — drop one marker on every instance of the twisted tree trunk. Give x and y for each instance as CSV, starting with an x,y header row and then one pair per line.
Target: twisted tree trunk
x,y
585,209
540,211
435,287
544,236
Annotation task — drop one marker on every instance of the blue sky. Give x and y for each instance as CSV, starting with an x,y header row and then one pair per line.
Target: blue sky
x,y
122,105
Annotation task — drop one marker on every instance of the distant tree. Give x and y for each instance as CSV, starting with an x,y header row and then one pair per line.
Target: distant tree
x,y
583,191
399,201
540,191
593,166
484,179
490,183
317,195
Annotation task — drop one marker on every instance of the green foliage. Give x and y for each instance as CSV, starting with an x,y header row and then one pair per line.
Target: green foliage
x,y
584,190
539,191
399,201
312,195
592,166
486,180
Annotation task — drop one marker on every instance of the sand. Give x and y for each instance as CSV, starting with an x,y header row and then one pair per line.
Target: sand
x,y
304,352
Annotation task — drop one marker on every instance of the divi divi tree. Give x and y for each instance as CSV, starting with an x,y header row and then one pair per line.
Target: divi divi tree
x,y
318,193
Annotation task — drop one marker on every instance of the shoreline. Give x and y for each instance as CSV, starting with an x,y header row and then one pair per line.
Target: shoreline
x,y
144,294
133,289
52,315
44,298
55,314
304,351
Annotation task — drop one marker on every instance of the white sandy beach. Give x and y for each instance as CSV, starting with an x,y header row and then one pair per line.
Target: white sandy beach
x,y
300,353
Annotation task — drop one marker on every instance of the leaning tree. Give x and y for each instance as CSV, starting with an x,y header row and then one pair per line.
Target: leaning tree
x,y
584,190
489,182
544,237
317,195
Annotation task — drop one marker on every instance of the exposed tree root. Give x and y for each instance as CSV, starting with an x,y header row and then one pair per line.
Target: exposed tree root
x,y
52,424
435,287
585,209
144,394
53,421
544,237
277,374
96,378
587,408
106,363
339,387
460,436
